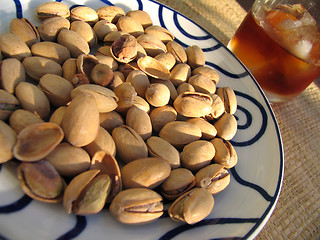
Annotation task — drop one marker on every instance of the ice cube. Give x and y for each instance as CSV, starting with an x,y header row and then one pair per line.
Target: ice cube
x,y
302,49
307,19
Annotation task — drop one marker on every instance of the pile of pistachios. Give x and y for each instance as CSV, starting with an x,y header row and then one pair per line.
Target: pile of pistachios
x,y
103,109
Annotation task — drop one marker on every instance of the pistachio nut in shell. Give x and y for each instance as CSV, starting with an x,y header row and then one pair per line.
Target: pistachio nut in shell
x,y
110,13
195,56
103,27
84,13
202,83
36,141
140,121
225,155
140,81
180,74
141,16
217,107
33,99
197,154
185,87
57,115
158,147
21,118
79,129
126,94
101,74
50,27
160,116
158,94
69,160
129,144
109,61
229,99
160,32
137,206
7,141
153,68
8,104
208,71
207,129
147,172
179,133
24,29
192,207
36,67
179,181
167,59
110,120
52,9
141,103
177,51
124,49
13,46
213,177
169,85
69,69
11,74
151,44
41,181
87,193
130,25
85,31
226,126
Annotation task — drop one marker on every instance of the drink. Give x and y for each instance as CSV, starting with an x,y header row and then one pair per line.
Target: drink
x,y
281,48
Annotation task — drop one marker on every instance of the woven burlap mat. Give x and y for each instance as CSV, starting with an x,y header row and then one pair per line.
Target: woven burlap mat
x,y
297,213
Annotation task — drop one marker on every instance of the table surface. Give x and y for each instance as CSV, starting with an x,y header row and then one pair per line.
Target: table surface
x,y
297,213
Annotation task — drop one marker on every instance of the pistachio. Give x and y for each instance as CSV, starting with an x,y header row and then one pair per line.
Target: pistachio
x,y
7,141
153,68
160,32
226,126
208,131
69,69
229,99
110,120
124,49
140,81
160,116
192,207
195,56
21,118
217,107
52,9
57,115
110,13
140,121
8,104
101,74
11,73
158,94
141,16
24,29
225,155
137,206
152,45
126,94
130,25
36,141
109,61
41,181
208,71
185,87
169,85
103,28
180,73
167,59
85,31
110,37
214,178
50,27
202,83
177,51
84,13
141,103
13,46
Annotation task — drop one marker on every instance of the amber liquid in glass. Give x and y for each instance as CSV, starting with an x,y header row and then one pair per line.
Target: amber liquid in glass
x,y
280,74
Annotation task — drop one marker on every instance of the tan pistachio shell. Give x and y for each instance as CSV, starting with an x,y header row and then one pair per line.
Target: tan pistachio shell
x,y
11,73
85,31
153,68
7,141
225,155
109,61
21,118
101,74
177,51
202,83
139,120
185,87
226,126
41,181
8,104
110,13
160,32
180,73
50,27
112,36
52,9
24,29
217,107
158,147
36,141
161,116
158,94
13,46
229,99
124,49
207,129
126,94
129,144
84,13
110,120
195,56
137,206
130,25
140,81
69,160
57,115
141,16
147,172
152,45
167,59
69,69
103,27
79,129
208,71
33,99
141,103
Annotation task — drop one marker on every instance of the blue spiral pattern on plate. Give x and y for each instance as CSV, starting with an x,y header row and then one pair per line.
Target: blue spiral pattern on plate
x,y
81,221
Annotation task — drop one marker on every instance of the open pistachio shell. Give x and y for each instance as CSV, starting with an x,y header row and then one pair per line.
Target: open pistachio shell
x,y
153,68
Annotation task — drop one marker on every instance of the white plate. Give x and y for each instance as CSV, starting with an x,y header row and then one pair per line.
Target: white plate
x,y
240,211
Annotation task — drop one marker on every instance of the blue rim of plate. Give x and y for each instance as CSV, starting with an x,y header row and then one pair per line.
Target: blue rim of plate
x,y
258,222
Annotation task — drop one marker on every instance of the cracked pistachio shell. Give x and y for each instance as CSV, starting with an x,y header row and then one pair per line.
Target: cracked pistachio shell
x,y
36,141
57,115
140,81
208,71
36,67
69,69
52,9
50,27
129,144
101,74
180,74
79,129
103,141
137,206
69,160
41,181
195,56
179,181
124,49
160,116
180,133
185,87
110,120
147,172
74,42
84,13
126,94
152,45
103,27
141,103
217,107
51,50
158,147
161,33
167,59
87,193
13,46
213,177
192,207
24,29
158,94
139,120
153,68
193,104
33,99
85,31
107,164
109,61
202,83
21,118
112,36
110,13
7,141
57,89
130,25
207,129
8,104
141,16
226,126
11,74
177,51
225,155
197,154
229,99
